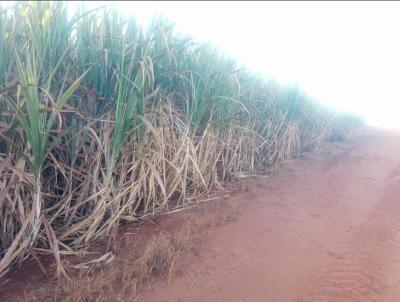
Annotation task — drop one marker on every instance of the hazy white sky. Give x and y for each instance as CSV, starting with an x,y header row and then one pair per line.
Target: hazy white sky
x,y
346,54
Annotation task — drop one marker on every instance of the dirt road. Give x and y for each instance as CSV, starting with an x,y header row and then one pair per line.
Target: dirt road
x,y
326,228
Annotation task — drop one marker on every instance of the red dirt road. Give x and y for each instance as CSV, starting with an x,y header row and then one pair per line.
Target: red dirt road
x,y
326,228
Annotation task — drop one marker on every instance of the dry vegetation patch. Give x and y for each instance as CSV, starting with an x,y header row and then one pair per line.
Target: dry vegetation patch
x,y
141,261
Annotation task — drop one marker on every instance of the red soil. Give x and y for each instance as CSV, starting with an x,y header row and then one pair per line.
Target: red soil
x,y
327,228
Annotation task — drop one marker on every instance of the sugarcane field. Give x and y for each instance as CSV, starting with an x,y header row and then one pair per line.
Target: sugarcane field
x,y
165,151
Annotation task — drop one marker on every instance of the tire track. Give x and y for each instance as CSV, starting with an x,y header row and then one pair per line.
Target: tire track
x,y
361,273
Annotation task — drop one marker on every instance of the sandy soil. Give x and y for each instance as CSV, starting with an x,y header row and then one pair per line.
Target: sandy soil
x,y
326,228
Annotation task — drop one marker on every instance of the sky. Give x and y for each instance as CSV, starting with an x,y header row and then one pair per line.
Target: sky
x,y
345,54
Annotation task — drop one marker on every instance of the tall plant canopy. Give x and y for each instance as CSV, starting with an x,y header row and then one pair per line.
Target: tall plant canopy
x,y
102,122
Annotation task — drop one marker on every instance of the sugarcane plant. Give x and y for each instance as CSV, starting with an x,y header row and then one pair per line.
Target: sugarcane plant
x,y
103,122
